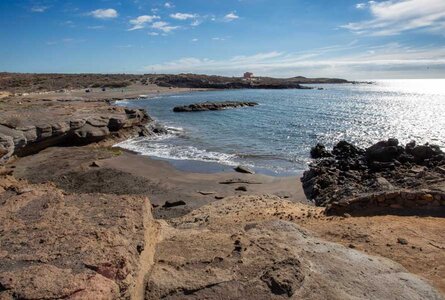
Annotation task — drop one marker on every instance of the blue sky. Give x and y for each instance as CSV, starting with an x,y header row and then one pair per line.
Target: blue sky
x,y
350,39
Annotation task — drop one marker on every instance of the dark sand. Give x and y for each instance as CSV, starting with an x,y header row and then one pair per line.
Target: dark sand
x,y
121,172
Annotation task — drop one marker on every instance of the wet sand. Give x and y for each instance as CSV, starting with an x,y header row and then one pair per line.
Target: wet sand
x,y
120,172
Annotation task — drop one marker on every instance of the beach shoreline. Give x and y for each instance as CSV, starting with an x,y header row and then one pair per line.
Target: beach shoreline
x,y
85,219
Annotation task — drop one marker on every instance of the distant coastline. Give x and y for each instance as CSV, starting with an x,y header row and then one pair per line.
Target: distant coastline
x,y
29,82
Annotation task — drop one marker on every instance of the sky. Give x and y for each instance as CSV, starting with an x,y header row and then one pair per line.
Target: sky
x,y
281,38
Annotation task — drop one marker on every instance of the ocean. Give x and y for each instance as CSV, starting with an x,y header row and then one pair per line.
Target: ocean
x,y
275,137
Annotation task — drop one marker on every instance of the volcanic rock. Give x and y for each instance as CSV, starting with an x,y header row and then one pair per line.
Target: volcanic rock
x,y
212,106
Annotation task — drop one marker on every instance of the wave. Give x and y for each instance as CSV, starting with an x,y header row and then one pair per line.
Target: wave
x,y
144,146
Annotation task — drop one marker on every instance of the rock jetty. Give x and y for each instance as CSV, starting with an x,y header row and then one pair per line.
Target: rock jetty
x,y
206,106
386,176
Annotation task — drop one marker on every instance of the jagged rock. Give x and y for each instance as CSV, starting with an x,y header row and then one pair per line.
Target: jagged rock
x,y
212,106
116,123
383,166
30,133
244,169
424,152
344,149
44,131
17,136
77,123
319,151
169,204
384,184
89,133
98,122
242,188
6,147
384,151
60,128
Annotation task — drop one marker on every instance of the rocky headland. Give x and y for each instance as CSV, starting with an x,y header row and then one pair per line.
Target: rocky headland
x,y
18,83
206,106
386,177
83,220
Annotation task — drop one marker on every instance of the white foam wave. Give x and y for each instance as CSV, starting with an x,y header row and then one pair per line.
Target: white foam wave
x,y
177,152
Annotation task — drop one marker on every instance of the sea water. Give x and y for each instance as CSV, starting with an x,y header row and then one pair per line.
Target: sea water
x,y
275,137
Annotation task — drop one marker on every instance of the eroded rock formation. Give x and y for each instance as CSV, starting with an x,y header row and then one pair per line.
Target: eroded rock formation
x,y
31,127
72,246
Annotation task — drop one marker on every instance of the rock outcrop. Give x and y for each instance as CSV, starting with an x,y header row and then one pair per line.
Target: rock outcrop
x,y
72,246
251,254
385,175
222,82
29,128
213,106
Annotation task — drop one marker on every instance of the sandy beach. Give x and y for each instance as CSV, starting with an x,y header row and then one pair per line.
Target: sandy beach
x,y
129,173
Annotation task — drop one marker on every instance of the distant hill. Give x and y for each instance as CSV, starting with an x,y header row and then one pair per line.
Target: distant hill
x,y
28,82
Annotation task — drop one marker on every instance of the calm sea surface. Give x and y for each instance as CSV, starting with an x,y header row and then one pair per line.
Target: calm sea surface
x,y
275,137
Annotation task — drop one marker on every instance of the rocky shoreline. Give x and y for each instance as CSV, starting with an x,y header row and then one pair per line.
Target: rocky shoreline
x,y
54,123
82,220
22,83
206,106
386,176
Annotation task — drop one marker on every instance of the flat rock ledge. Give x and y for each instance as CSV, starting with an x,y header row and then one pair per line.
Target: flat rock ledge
x,y
62,246
26,129
206,106
265,258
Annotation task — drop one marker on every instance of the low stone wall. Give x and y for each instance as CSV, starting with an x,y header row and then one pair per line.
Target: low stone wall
x,y
396,201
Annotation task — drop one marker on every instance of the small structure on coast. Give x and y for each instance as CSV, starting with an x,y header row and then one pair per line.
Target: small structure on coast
x,y
248,76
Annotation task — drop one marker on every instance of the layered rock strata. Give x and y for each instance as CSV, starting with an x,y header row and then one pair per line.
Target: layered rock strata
x,y
31,127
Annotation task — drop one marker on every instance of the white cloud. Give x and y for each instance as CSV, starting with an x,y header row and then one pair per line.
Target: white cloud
x,y
39,9
169,5
183,16
195,40
231,17
108,13
195,23
152,33
389,60
141,21
163,26
392,17
218,38
360,5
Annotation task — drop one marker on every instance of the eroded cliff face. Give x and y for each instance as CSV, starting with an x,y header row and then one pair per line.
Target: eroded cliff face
x,y
28,127
74,246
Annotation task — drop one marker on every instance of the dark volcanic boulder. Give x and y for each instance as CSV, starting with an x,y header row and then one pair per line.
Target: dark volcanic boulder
x,y
353,171
212,106
384,151
424,152
344,149
319,151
